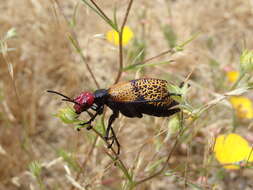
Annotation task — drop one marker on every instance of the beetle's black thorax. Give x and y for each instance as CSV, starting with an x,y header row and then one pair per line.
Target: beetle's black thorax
x,y
101,96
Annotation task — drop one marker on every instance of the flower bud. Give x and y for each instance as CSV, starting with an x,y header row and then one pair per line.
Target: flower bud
x,y
246,61
67,115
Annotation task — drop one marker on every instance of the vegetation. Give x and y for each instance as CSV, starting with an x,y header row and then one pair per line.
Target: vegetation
x,y
83,45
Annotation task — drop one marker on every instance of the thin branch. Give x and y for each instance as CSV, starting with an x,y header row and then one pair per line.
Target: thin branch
x,y
172,50
120,42
154,57
101,11
77,45
84,60
166,162
126,15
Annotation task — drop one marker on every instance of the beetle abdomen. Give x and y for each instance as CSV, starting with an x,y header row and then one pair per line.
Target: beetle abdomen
x,y
141,89
149,96
122,92
162,110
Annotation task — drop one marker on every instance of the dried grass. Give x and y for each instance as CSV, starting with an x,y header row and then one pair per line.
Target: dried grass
x,y
45,59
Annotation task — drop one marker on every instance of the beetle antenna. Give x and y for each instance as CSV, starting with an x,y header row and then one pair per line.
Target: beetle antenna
x,y
70,100
60,94
67,99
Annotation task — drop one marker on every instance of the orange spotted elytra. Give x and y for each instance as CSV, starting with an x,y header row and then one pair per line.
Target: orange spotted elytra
x,y
132,99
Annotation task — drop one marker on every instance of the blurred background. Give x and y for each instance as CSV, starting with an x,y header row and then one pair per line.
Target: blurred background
x,y
40,56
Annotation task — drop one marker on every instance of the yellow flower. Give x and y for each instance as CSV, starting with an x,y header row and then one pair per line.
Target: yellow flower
x,y
232,76
232,149
113,36
243,106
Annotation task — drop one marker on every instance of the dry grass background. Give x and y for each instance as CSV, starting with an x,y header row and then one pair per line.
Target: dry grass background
x,y
45,59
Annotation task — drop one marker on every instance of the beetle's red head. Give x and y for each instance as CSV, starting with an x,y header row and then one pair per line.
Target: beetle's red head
x,y
83,102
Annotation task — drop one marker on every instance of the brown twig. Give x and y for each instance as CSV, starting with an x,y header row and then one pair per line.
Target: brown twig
x,y
78,47
100,10
120,42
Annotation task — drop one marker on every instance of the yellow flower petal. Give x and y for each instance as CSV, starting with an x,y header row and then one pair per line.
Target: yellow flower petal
x,y
231,149
232,76
113,37
243,106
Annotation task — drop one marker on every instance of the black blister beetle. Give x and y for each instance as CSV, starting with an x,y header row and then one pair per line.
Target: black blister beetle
x,y
132,99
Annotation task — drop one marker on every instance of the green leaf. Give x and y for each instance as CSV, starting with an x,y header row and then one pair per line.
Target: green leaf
x,y
181,46
73,20
115,17
137,53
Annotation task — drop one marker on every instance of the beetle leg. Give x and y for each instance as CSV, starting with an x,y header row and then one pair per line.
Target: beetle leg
x,y
88,128
116,140
91,119
109,128
171,94
182,84
90,114
99,110
112,118
110,145
173,111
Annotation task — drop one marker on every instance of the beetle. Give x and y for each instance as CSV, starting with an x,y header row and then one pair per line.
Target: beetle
x,y
132,99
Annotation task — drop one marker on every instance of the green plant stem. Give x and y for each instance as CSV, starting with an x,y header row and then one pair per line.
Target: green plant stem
x,y
251,152
94,7
120,70
115,158
122,167
154,57
100,10
120,58
171,51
